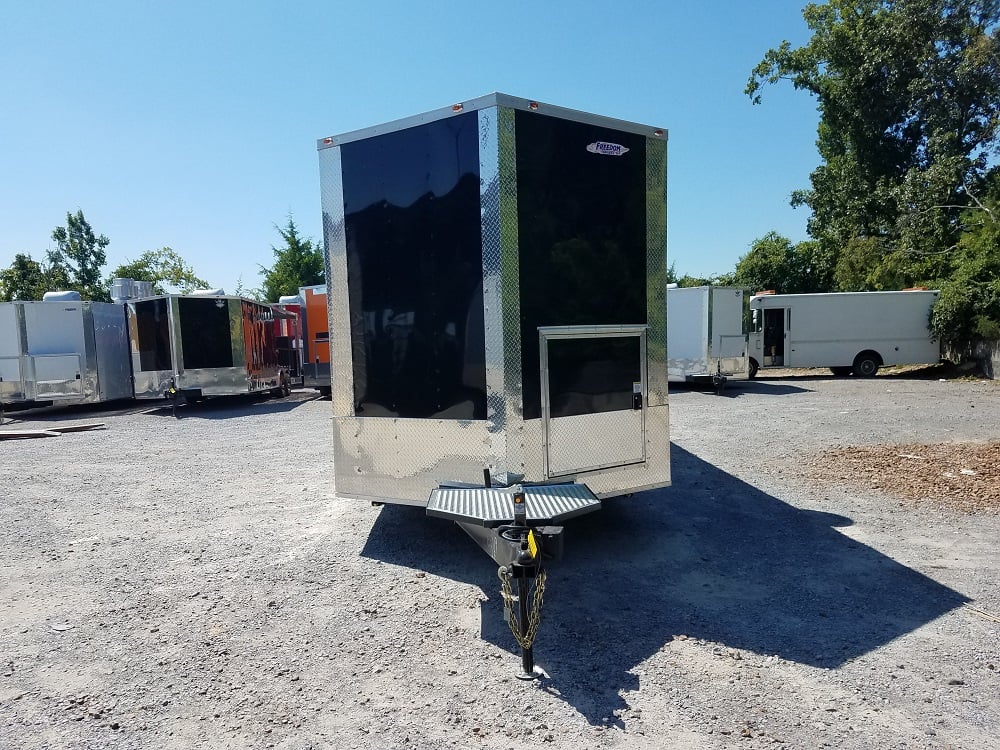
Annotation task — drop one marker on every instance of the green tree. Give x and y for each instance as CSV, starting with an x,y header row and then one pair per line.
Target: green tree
x,y
969,306
909,99
688,280
24,279
79,257
243,291
167,270
298,263
671,277
774,262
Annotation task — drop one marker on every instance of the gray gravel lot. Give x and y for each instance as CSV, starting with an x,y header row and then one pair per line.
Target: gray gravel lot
x,y
195,583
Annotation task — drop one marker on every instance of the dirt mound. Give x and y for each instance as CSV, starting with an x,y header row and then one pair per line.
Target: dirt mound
x,y
961,476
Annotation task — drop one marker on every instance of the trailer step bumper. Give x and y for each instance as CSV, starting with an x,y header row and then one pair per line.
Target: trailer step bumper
x,y
494,506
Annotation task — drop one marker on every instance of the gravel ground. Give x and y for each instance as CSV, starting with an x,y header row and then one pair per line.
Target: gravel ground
x,y
194,583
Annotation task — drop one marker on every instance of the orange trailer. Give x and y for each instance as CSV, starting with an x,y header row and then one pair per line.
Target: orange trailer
x,y
315,338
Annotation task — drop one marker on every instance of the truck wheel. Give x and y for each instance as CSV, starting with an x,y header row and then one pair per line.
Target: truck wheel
x,y
841,372
866,365
752,371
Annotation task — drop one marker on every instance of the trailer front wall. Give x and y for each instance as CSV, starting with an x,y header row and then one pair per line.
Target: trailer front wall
x,y
688,339
729,349
57,352
315,335
222,345
110,350
460,203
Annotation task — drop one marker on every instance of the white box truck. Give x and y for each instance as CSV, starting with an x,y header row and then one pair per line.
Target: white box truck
x,y
706,335
849,332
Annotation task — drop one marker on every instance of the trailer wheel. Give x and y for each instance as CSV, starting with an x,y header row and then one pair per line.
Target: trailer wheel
x,y
752,371
866,364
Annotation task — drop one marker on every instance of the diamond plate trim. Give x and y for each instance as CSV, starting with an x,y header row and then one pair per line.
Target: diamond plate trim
x,y
656,271
338,307
491,506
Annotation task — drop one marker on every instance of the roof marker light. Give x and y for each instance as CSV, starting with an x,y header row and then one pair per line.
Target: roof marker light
x,y
532,105
457,107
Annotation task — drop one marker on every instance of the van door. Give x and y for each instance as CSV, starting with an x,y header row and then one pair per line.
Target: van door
x,y
774,337
593,381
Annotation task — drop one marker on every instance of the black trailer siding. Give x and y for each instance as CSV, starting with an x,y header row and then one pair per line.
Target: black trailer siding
x,y
153,335
590,376
414,258
581,235
206,335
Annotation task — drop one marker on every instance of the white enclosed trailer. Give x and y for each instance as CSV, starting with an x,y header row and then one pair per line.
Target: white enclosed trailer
x,y
849,332
496,277
63,351
706,334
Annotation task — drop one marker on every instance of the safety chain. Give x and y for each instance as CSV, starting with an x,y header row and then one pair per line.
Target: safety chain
x,y
534,616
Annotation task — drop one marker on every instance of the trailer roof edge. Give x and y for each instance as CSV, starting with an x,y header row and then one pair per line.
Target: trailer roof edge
x,y
492,100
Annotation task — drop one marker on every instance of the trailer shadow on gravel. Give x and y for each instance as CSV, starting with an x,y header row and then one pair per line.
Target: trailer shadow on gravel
x,y
737,388
710,558
220,407
230,407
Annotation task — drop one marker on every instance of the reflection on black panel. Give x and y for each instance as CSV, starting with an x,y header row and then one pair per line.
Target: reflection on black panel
x,y
594,375
414,262
288,355
206,336
153,334
581,231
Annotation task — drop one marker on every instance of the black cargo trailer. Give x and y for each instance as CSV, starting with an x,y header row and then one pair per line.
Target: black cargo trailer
x,y
496,276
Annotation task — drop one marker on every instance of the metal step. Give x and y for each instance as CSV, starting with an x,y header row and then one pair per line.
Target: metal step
x,y
548,504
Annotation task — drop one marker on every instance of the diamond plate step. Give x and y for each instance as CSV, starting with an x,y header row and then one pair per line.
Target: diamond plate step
x,y
493,506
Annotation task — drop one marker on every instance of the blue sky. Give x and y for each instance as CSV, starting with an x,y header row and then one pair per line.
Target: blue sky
x,y
193,125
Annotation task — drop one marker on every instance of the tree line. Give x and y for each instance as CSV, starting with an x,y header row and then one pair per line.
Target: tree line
x,y
77,261
908,189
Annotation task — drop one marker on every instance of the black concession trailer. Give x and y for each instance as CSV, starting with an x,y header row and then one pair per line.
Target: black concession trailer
x,y
199,345
496,275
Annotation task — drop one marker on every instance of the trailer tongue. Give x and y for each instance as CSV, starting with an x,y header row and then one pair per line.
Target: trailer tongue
x,y
496,277
516,526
